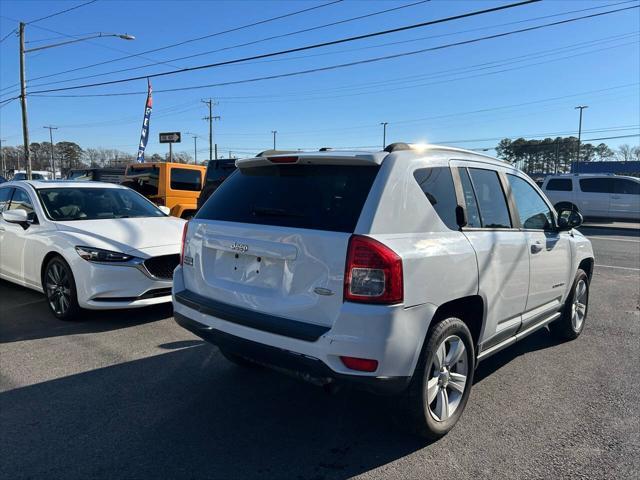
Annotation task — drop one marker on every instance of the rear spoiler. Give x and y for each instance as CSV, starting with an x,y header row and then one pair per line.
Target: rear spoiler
x,y
321,158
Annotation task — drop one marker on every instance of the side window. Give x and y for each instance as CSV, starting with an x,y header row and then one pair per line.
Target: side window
x,y
473,215
5,196
186,179
596,185
560,184
491,200
532,209
626,187
437,185
21,201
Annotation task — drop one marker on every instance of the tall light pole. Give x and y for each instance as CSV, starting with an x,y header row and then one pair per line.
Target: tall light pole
x,y
4,165
579,107
195,147
384,134
23,81
53,164
274,138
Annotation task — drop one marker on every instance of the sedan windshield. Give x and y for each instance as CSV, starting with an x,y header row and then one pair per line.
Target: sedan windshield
x,y
64,204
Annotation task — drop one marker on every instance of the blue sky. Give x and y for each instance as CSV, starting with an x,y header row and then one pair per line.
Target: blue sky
x,y
457,95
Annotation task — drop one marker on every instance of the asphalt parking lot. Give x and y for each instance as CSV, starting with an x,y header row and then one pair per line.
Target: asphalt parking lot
x,y
132,395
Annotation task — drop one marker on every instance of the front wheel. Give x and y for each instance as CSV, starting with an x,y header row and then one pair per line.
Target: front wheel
x,y
570,325
442,381
60,289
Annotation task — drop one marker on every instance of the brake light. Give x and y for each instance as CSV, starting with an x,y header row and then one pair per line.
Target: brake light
x,y
373,272
283,159
184,237
360,364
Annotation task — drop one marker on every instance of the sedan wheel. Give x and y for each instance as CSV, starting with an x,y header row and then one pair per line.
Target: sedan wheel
x,y
60,289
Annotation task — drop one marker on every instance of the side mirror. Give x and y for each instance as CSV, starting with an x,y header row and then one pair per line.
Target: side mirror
x,y
16,216
568,219
164,209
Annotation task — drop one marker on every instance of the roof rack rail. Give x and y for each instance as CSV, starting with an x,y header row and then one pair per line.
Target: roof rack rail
x,y
396,147
325,149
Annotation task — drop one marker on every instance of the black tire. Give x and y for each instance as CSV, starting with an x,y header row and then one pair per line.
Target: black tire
x,y
59,287
238,360
566,327
416,413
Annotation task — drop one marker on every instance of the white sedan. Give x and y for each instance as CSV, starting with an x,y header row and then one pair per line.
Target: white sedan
x,y
87,245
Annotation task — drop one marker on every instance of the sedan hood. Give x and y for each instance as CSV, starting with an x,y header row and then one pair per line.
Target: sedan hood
x,y
126,235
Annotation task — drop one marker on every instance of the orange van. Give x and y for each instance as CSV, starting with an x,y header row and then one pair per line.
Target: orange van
x,y
173,185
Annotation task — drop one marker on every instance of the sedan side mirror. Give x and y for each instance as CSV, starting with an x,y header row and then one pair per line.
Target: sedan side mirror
x,y
164,209
16,216
568,219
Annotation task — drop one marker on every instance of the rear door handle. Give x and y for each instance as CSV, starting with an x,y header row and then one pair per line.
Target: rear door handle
x,y
536,247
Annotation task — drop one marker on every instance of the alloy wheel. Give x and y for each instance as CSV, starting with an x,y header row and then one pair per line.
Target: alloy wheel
x,y
447,378
58,285
579,307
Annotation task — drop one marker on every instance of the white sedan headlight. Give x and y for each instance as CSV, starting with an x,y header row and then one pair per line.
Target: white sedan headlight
x,y
92,254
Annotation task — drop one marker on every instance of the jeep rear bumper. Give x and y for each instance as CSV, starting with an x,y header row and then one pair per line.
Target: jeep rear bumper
x,y
301,366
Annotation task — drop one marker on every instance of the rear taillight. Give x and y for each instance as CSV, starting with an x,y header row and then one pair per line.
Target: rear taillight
x,y
184,237
283,159
373,273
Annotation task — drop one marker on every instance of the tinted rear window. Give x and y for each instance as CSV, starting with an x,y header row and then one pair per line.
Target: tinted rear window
x,y
218,170
318,197
185,179
560,184
437,185
144,180
596,185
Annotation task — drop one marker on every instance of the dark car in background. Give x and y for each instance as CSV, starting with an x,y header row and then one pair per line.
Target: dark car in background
x,y
109,175
217,171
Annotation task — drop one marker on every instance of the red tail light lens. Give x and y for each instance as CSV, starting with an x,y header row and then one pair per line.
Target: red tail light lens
x,y
184,237
360,364
373,273
283,159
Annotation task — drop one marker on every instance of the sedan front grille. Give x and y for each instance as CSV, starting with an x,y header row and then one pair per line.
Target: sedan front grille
x,y
162,266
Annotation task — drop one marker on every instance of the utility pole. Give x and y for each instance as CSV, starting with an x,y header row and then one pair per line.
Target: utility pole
x,y
170,152
4,165
384,134
211,118
274,138
23,104
195,149
53,164
579,107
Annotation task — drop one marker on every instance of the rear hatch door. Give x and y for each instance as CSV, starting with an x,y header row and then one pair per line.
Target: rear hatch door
x,y
273,238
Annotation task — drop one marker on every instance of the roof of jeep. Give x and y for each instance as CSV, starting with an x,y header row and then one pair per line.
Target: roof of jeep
x,y
363,157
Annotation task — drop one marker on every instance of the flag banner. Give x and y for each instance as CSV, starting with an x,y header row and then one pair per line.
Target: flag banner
x,y
144,134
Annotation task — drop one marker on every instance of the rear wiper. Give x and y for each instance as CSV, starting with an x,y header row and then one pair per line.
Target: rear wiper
x,y
274,212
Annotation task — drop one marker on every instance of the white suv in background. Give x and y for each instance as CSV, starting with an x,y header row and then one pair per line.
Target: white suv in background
x,y
396,271
605,196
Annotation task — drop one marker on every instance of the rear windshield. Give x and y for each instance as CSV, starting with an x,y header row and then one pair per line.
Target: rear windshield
x,y
143,180
186,179
218,170
318,197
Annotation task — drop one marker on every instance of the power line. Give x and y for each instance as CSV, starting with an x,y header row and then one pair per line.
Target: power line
x,y
184,42
245,44
8,34
61,12
320,69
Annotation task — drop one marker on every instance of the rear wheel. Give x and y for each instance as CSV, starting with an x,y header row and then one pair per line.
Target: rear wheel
x,y
570,325
441,384
60,289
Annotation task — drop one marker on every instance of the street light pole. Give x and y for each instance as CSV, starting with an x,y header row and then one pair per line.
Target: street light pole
x,y
384,134
4,165
23,104
23,81
274,138
579,107
53,165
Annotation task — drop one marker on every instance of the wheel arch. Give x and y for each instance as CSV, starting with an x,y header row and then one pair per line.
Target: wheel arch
x,y
587,265
45,261
469,309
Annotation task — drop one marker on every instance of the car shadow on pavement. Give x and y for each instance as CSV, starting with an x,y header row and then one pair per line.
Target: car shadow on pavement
x,y
189,413
538,340
24,315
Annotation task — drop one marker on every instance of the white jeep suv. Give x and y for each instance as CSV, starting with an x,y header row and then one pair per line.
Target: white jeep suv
x,y
395,271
